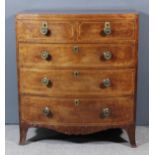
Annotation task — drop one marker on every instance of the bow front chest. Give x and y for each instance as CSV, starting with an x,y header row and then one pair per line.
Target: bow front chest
x,y
77,72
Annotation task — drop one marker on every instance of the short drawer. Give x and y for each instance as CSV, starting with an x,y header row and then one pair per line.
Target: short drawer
x,y
77,82
107,111
77,55
44,31
93,31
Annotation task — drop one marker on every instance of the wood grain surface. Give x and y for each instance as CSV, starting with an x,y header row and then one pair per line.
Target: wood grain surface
x,y
88,55
88,83
85,33
64,111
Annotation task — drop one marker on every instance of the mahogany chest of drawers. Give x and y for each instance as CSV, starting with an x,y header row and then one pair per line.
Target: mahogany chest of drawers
x,y
77,72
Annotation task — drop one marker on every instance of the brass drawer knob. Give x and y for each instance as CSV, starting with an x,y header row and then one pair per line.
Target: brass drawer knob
x,y
107,55
76,102
105,112
44,28
106,29
75,49
46,111
76,73
45,55
45,81
106,82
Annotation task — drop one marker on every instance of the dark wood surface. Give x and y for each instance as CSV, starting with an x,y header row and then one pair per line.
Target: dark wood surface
x,y
66,31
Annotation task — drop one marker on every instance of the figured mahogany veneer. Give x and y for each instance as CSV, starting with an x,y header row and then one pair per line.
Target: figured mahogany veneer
x,y
64,111
87,84
77,72
88,55
121,29
58,31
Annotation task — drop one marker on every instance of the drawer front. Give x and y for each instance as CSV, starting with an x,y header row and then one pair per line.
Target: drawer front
x,y
79,55
58,111
95,31
29,30
77,82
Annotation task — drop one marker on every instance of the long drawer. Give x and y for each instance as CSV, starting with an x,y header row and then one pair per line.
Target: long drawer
x,y
76,55
107,111
74,83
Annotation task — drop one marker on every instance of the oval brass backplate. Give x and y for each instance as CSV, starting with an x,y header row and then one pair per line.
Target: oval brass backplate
x,y
106,29
45,81
106,82
45,55
107,55
44,28
46,111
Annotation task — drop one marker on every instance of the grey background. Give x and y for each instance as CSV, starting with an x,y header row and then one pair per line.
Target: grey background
x,y
15,6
